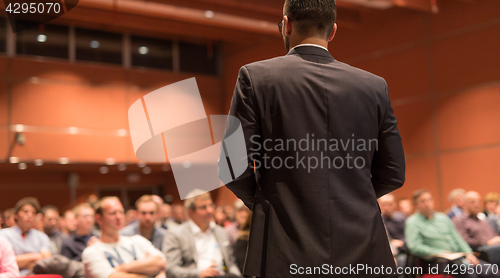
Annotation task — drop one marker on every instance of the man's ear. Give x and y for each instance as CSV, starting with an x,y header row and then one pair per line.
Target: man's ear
x,y
332,34
288,26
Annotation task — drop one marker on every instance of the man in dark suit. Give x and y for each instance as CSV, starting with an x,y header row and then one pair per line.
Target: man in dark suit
x,y
322,145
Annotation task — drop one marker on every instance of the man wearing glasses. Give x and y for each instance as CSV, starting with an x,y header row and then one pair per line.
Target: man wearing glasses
x,y
330,139
199,247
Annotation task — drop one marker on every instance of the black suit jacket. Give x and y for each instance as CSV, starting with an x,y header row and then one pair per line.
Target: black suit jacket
x,y
327,215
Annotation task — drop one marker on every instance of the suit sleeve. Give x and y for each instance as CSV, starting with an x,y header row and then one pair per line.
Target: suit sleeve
x,y
388,164
173,253
244,108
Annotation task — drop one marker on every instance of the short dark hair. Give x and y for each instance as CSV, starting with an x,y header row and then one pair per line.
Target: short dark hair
x,y
309,14
419,193
47,208
27,201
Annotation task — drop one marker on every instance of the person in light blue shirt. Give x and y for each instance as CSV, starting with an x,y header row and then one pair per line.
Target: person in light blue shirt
x,y
29,245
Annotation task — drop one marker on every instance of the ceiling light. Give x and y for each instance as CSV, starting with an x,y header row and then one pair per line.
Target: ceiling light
x,y
38,162
63,160
41,38
14,159
22,166
209,14
143,50
95,44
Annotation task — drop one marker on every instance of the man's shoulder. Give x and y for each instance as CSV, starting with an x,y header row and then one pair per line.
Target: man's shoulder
x,y
39,234
129,230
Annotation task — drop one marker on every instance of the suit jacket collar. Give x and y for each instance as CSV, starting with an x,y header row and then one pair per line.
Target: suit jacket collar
x,y
310,50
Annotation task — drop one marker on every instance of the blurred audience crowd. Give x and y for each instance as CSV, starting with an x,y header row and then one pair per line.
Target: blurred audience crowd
x,y
100,239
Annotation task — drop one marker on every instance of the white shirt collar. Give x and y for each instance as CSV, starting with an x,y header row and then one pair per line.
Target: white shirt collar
x,y
309,44
196,230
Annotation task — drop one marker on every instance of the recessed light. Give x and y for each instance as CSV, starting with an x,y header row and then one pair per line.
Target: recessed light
x,y
122,167
14,159
73,130
22,166
95,44
19,128
146,170
41,38
143,50
110,161
38,162
103,170
63,160
209,14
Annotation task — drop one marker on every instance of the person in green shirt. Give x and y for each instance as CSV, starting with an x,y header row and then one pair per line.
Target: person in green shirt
x,y
429,234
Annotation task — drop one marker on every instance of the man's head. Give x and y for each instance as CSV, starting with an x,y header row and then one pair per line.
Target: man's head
x,y
200,207
424,202
457,197
178,213
147,211
165,212
68,222
130,216
491,201
405,206
50,219
306,19
109,215
473,203
25,213
8,218
241,212
85,217
387,204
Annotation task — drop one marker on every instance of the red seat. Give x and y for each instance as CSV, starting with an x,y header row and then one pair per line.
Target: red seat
x,y
43,276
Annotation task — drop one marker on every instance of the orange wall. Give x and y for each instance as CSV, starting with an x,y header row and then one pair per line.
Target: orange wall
x,y
443,72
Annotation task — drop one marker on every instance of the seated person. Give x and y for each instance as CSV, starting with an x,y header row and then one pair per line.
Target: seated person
x,y
491,202
430,234
30,245
475,232
199,248
8,265
115,256
147,215
394,220
74,244
50,220
456,198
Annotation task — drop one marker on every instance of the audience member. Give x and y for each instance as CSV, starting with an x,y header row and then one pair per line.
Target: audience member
x,y
8,218
491,202
130,216
405,206
178,214
430,234
475,232
220,216
158,200
241,214
50,219
74,244
394,220
8,264
199,248
147,214
67,223
166,216
456,198
29,245
92,200
115,256
241,244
